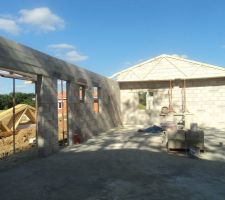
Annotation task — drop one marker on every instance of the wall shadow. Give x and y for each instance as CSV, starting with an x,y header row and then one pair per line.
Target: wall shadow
x,y
106,173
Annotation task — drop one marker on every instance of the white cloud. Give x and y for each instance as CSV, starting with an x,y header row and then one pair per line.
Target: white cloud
x,y
180,56
67,52
74,56
9,26
41,18
61,46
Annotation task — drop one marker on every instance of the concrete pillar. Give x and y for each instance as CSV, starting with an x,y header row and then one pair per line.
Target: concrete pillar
x,y
73,103
47,115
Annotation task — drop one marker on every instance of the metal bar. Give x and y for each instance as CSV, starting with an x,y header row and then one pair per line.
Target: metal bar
x,y
185,99
14,118
62,112
18,73
185,107
68,85
36,115
17,77
170,93
98,93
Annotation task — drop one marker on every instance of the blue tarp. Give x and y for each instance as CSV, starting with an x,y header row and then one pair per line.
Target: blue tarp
x,y
151,129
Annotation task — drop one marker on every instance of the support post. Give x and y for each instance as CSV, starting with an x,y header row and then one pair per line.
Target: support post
x,y
62,96
170,94
73,101
14,117
47,120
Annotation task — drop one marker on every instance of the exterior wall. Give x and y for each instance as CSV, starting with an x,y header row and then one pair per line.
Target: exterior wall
x,y
46,69
205,100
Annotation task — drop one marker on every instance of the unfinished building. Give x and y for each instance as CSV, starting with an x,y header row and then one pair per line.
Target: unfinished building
x,y
192,92
120,163
29,64
184,87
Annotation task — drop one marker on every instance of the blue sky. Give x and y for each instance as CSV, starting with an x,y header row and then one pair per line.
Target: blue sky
x,y
107,36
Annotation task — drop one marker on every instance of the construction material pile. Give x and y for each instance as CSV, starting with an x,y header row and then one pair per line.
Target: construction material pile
x,y
22,142
24,114
25,129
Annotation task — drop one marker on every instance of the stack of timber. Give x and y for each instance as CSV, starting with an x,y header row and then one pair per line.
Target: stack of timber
x,y
24,114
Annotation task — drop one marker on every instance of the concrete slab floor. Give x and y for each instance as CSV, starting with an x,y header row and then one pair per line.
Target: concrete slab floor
x,y
118,165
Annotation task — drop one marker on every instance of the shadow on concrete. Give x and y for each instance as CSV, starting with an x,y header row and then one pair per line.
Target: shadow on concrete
x,y
112,172
214,143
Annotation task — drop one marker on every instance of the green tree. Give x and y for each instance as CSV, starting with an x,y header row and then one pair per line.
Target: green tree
x,y
6,100
142,100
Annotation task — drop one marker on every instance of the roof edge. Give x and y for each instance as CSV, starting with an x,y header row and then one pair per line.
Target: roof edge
x,y
172,57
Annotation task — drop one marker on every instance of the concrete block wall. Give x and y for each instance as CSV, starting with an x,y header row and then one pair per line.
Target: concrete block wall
x,y
46,70
47,121
82,117
205,100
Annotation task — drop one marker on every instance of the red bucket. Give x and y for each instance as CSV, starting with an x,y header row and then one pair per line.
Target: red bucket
x,y
76,138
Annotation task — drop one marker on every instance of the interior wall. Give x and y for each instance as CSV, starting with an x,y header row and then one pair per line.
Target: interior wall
x,y
205,101
83,119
